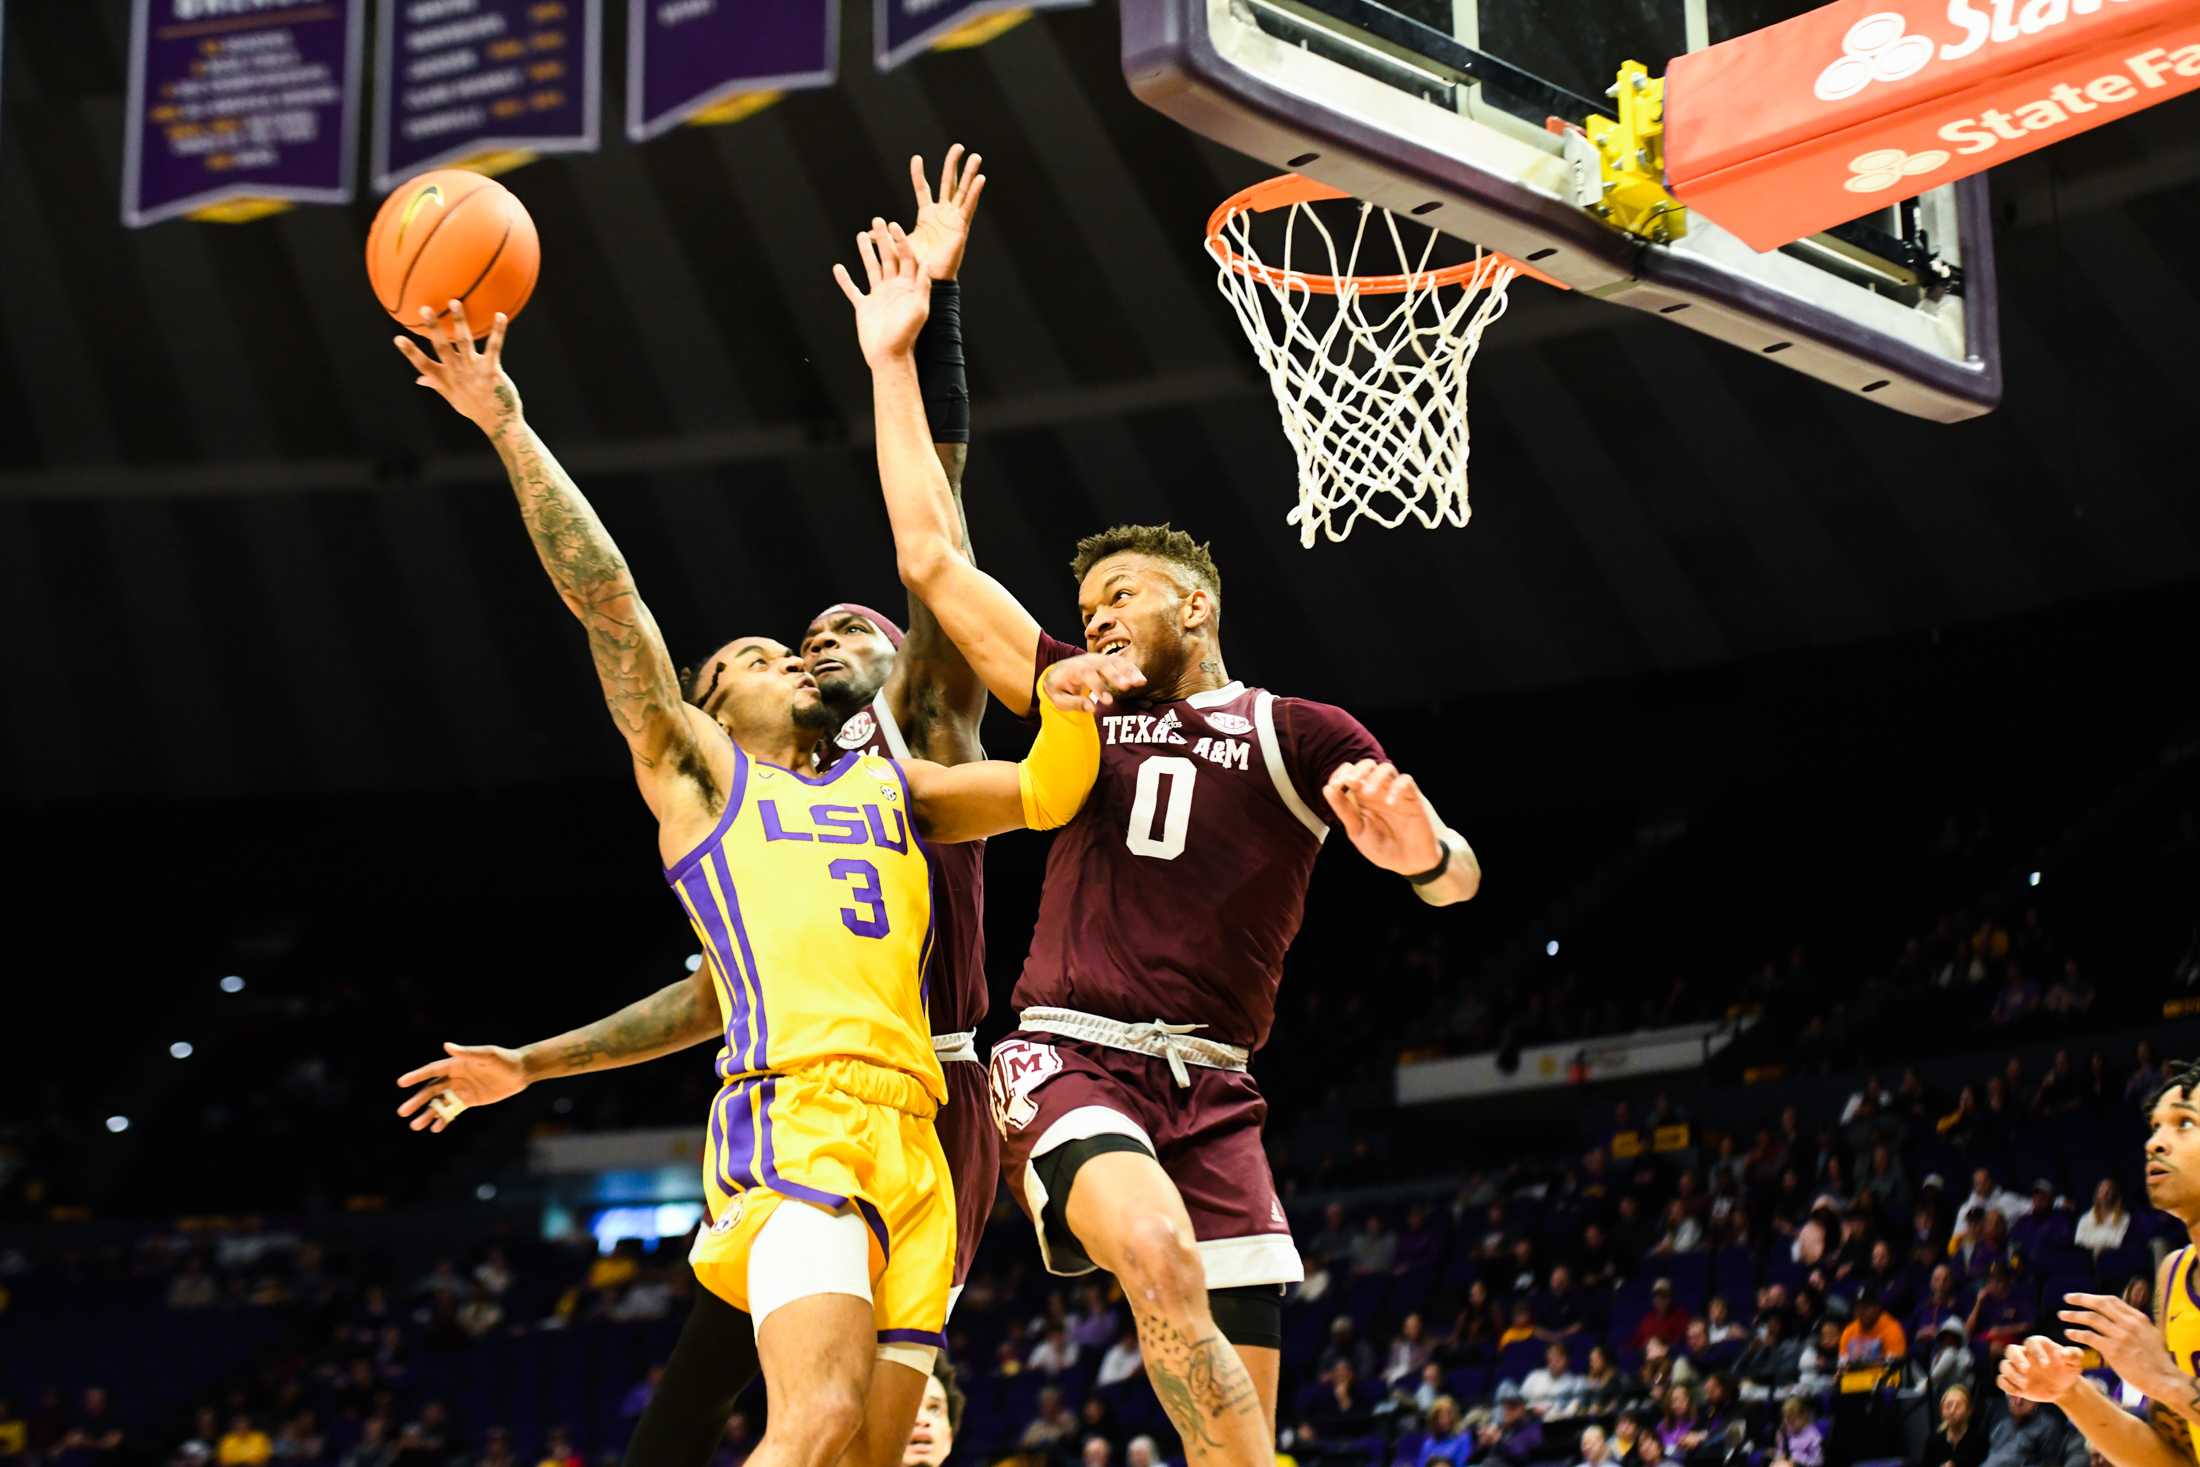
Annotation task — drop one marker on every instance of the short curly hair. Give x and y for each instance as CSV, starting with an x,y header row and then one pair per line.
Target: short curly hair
x,y
2176,1078
944,1371
1162,542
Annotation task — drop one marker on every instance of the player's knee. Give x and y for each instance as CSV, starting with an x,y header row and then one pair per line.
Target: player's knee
x,y
823,1420
1161,1268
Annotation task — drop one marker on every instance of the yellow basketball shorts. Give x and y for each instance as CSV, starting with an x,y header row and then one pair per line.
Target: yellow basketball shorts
x,y
838,1135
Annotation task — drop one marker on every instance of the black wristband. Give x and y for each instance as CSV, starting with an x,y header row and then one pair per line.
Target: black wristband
x,y
1436,871
940,375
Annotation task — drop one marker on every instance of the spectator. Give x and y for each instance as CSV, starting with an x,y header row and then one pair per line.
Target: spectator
x,y
1552,1390
300,1440
1595,1260
1595,1450
1334,1240
2102,1227
1097,1419
1716,1411
1696,1345
1522,1327
1798,1441
1662,1370
1649,1451
1719,1324
1447,1440
1818,1367
1055,1353
1665,1321
494,1273
1940,1301
2071,993
1052,1427
558,1451
197,1449
1559,1309
1991,1247
1098,1452
1122,1362
93,1438
1431,1386
1345,1344
1421,1244
1142,1452
1985,1193
1998,1317
481,1314
1374,1248
2025,1436
1602,1385
1951,1363
1872,1337
374,1447
1408,1352
496,1449
2039,1230
1961,1126
1474,1333
1885,1182
1337,1399
1770,1358
1515,1437
1683,1233
244,1445
1677,1429
1957,1441
1096,1325
2146,1076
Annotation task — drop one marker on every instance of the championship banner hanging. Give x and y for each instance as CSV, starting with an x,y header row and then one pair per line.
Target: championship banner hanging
x,y
238,108
720,60
486,83
1863,103
902,28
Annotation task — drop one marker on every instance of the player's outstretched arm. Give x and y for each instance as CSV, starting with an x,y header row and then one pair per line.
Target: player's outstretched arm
x,y
936,697
1047,789
2130,1343
677,1016
1393,824
671,742
2041,1370
997,636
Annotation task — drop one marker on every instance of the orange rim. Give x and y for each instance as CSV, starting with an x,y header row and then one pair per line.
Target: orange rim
x,y
1285,190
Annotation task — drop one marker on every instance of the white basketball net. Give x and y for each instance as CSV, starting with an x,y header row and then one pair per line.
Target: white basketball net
x,y
1375,400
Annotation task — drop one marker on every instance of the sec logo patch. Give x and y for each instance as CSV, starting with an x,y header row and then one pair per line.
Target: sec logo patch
x,y
857,731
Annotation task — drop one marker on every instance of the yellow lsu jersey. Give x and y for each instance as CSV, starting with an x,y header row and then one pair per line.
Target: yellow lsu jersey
x,y
2181,1320
813,901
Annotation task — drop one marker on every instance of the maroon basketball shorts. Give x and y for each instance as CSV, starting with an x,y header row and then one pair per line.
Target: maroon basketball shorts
x,y
1049,1091
973,1147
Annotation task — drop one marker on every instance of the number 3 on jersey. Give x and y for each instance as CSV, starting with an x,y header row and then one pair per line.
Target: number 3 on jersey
x,y
863,876
1176,821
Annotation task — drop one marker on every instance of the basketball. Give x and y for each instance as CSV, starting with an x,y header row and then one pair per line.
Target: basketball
x,y
453,235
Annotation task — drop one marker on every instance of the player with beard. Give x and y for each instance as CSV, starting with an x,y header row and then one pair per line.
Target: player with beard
x,y
2158,1356
1131,1128
833,1222
909,695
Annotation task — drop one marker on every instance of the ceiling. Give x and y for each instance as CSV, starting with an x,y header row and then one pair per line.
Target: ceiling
x,y
241,554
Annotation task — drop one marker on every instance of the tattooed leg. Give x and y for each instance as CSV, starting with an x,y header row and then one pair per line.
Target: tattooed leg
x,y
1127,1216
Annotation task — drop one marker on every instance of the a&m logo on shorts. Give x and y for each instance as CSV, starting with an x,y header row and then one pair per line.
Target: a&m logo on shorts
x,y
1019,1067
857,731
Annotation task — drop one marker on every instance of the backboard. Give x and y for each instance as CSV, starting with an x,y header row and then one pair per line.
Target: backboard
x,y
1444,110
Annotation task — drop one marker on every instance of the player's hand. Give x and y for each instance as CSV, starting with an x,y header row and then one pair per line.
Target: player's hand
x,y
942,230
2128,1341
470,380
1382,812
2041,1370
891,313
1082,684
469,1075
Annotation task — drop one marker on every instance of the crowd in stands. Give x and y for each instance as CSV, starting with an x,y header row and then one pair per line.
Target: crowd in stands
x,y
1626,1306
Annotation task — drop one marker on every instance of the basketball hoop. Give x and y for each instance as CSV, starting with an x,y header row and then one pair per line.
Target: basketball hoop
x,y
1374,402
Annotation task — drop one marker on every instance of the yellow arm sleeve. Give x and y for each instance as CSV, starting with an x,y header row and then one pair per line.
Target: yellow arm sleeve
x,y
1064,760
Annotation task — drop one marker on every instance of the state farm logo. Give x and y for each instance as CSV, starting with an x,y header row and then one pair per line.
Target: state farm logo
x,y
1880,47
1876,172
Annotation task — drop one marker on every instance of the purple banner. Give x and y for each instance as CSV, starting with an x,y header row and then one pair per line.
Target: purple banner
x,y
689,57
239,100
902,28
458,79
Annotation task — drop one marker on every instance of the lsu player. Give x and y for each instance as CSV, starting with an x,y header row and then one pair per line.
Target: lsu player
x,y
2159,1356
832,1224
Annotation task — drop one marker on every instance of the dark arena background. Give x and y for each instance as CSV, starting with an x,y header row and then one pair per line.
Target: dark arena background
x,y
1835,776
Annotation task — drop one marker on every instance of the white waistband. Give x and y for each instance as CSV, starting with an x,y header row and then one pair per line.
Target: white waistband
x,y
963,1046
1172,1042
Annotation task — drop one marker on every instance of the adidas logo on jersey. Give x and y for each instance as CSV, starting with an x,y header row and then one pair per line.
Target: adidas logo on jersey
x,y
1144,728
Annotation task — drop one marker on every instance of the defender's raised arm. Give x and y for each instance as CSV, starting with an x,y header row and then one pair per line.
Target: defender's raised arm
x,y
996,635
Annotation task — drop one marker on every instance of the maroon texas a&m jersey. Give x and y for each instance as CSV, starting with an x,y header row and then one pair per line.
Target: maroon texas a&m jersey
x,y
1175,891
954,980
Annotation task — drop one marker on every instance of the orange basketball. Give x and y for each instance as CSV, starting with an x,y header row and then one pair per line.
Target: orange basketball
x,y
453,235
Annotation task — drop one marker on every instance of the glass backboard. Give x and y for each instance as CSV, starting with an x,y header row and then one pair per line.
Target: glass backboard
x,y
1443,109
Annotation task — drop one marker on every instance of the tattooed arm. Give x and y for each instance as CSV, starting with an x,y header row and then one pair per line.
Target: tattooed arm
x,y
679,757
675,1017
